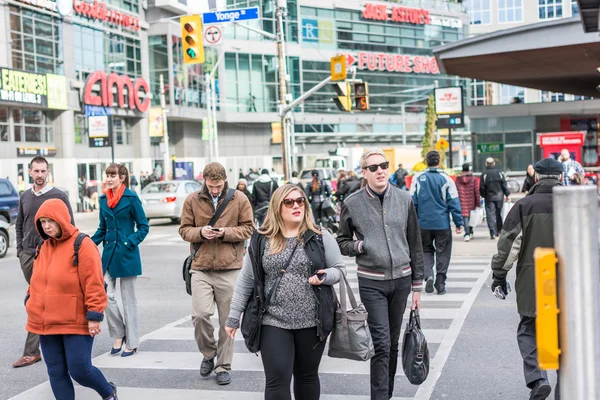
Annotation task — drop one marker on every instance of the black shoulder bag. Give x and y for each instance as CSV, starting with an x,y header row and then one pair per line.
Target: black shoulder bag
x,y
252,318
187,264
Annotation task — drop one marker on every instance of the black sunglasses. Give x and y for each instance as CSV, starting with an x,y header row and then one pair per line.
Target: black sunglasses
x,y
289,203
374,167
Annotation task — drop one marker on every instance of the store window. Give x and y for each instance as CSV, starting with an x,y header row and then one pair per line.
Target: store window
x,y
188,80
159,65
479,11
80,129
97,49
574,8
266,22
478,92
549,97
510,11
32,126
36,41
549,9
511,94
122,131
127,5
4,125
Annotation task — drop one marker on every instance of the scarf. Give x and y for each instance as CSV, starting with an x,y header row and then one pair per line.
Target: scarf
x,y
114,198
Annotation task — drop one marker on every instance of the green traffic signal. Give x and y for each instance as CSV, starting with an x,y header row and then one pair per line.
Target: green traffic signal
x,y
191,53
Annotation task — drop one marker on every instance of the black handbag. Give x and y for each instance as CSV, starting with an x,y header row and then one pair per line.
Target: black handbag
x,y
187,264
415,354
252,319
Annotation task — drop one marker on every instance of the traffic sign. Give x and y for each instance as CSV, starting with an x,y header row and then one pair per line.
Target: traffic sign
x,y
240,14
212,35
338,68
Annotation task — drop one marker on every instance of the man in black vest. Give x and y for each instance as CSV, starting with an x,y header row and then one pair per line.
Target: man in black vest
x,y
262,190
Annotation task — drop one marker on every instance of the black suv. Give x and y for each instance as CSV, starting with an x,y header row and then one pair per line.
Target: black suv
x,y
9,202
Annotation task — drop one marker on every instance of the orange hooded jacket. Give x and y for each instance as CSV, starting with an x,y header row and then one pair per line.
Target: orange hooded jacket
x,y
62,297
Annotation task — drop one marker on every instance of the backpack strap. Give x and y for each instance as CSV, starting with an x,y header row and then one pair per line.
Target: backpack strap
x,y
76,246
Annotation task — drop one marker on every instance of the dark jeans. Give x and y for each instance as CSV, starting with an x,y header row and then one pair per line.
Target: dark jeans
x,y
468,228
287,352
385,302
437,245
32,343
493,213
70,356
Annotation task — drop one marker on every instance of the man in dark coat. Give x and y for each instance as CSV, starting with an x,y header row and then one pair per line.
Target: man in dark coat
x,y
528,225
493,187
262,191
400,177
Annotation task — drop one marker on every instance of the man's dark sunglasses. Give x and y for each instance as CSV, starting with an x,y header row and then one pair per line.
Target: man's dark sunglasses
x,y
374,167
289,203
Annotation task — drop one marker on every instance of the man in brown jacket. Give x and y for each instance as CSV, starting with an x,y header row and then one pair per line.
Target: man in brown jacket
x,y
216,265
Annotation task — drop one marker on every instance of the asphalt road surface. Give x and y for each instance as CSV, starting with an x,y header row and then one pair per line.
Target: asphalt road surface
x,y
471,336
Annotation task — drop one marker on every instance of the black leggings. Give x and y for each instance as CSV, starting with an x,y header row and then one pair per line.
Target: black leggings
x,y
286,352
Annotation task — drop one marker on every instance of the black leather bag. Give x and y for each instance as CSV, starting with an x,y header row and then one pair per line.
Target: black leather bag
x,y
415,354
187,264
252,319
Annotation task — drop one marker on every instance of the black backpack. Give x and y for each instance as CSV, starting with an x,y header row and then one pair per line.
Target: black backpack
x,y
76,246
415,354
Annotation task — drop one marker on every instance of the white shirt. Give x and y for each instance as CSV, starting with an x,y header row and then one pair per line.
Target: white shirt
x,y
44,190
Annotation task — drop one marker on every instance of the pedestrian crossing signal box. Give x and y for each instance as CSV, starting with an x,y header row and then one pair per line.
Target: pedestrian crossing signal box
x,y
361,96
546,321
191,39
343,101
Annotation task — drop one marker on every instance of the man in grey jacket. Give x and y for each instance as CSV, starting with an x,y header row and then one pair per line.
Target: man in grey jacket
x,y
389,255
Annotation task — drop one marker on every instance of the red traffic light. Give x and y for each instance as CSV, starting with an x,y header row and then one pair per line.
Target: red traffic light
x,y
189,27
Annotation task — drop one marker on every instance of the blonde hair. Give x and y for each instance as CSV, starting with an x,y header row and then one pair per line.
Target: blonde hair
x,y
274,225
369,153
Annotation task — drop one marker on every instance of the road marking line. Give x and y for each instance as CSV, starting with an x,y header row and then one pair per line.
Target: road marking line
x,y
441,356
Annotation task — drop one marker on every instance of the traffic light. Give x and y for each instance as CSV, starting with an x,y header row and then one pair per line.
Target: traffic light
x,y
191,39
361,96
343,101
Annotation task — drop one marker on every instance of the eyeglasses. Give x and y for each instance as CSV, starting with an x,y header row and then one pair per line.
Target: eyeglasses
x,y
374,167
289,203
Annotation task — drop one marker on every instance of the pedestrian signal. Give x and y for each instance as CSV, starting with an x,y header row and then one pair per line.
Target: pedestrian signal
x,y
361,96
343,101
191,39
546,321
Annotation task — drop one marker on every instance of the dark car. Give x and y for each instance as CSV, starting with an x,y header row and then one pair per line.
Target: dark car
x,y
9,202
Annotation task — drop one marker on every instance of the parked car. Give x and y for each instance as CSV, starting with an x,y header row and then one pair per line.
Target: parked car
x,y
164,199
324,173
7,235
9,202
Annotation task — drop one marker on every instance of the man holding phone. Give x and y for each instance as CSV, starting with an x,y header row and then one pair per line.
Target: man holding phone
x,y
216,264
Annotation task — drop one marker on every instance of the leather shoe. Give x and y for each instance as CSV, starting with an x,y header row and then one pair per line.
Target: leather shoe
x,y
429,285
26,361
541,390
223,378
207,367
440,287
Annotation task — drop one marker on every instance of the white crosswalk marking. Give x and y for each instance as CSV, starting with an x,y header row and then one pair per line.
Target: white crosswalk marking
x,y
171,353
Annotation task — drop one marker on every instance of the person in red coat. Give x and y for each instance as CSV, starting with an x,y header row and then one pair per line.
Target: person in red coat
x,y
468,194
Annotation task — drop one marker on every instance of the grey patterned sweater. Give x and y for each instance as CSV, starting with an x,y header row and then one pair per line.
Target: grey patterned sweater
x,y
293,306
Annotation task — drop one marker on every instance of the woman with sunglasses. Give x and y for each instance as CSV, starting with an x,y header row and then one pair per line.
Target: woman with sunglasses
x,y
317,191
300,314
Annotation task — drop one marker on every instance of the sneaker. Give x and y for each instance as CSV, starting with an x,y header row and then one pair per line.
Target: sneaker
x,y
541,390
207,367
467,238
223,378
471,234
429,285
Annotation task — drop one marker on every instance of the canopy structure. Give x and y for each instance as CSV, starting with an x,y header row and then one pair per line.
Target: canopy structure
x,y
557,56
588,9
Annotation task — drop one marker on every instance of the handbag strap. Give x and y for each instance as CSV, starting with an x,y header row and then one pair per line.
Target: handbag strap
x,y
216,215
278,280
345,292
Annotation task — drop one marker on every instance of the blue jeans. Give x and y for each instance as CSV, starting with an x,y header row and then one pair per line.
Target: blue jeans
x,y
70,356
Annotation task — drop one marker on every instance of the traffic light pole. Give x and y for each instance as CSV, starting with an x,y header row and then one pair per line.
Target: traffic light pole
x,y
163,106
282,69
208,100
576,243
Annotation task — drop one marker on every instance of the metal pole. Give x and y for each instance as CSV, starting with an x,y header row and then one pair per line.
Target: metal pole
x,y
112,139
163,106
576,243
282,88
404,124
207,100
213,92
450,148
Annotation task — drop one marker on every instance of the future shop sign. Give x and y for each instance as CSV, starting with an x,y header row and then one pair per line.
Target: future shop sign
x,y
394,63
106,97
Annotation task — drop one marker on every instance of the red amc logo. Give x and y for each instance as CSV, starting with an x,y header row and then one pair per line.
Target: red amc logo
x,y
379,12
106,96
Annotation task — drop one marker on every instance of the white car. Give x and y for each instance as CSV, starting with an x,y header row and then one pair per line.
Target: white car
x,y
164,199
7,233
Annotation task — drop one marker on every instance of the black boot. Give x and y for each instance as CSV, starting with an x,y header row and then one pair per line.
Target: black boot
x,y
113,396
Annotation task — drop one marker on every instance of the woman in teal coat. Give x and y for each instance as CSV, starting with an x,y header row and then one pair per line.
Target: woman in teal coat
x,y
123,226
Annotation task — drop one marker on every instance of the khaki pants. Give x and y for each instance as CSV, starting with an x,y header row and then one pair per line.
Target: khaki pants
x,y
208,288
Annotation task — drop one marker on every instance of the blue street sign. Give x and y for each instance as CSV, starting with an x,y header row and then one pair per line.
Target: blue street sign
x,y
241,14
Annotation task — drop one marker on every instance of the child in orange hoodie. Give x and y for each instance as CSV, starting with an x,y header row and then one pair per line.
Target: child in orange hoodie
x,y
65,304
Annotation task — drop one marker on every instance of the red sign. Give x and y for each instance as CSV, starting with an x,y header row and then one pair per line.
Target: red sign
x,y
379,12
562,139
394,63
106,96
98,11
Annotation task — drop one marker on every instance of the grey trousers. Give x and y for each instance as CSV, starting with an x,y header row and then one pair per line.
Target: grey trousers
x,y
126,324
32,343
528,348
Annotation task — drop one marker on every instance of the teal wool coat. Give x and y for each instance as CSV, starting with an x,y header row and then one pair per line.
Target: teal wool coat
x,y
117,232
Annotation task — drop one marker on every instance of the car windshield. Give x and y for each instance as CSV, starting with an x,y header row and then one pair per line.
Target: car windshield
x,y
161,188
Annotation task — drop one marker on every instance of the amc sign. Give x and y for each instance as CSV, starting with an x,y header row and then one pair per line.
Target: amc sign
x,y
100,91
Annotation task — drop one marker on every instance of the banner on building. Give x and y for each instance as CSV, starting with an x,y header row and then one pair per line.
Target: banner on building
x,y
276,133
449,107
156,124
29,88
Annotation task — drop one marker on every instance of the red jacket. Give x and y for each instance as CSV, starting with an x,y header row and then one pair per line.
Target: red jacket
x,y
468,193
62,297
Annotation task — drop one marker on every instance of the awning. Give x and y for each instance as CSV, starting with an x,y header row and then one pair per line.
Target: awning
x,y
554,55
588,10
